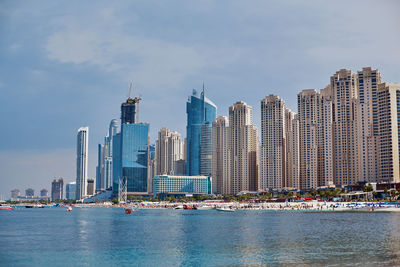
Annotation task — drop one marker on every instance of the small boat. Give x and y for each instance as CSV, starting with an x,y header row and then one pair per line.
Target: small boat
x,y
188,207
205,207
226,209
69,209
128,211
180,207
34,207
5,207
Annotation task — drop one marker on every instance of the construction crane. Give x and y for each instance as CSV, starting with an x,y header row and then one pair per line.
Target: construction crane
x,y
135,100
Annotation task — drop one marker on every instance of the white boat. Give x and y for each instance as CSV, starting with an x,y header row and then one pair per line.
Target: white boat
x,y
180,207
205,207
226,209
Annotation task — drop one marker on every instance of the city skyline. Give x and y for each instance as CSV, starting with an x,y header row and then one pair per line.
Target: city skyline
x,y
55,86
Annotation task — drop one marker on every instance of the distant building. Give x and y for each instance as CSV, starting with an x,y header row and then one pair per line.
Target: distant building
x,y
135,156
131,152
100,168
221,177
169,149
368,133
128,111
57,189
389,132
29,192
82,162
90,187
105,153
70,190
345,143
243,148
273,149
44,192
15,193
181,185
180,166
200,111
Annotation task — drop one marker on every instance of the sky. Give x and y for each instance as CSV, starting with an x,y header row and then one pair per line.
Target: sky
x,y
68,64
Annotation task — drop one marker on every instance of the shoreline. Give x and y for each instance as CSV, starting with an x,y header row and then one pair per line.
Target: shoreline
x,y
309,206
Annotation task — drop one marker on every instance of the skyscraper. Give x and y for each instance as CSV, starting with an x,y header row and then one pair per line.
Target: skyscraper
x,y
100,168
243,147
169,149
273,153
221,178
389,132
200,110
82,162
70,190
206,149
309,103
104,167
130,158
344,88
368,134
293,153
128,111
135,156
57,189
326,172
117,158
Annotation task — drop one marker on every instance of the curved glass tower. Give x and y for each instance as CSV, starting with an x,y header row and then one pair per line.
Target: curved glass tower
x,y
200,114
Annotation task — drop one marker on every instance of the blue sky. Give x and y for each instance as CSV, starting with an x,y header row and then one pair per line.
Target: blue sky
x,y
67,64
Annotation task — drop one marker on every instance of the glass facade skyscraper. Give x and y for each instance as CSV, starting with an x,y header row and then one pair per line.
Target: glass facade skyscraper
x,y
131,156
116,166
135,155
200,111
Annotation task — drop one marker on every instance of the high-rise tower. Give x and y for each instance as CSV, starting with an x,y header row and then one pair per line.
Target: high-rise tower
x,y
309,103
200,111
169,149
82,162
129,110
130,151
368,134
273,150
221,178
389,132
344,88
243,147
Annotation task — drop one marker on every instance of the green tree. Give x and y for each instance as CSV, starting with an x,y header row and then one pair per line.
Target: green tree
x,y
368,188
393,194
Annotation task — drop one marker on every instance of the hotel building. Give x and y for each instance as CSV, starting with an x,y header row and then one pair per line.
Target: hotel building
x,y
243,148
389,132
273,150
181,185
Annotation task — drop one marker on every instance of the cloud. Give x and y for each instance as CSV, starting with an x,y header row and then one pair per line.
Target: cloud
x,y
151,62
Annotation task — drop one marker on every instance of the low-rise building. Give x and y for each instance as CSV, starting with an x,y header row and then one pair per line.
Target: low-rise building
x,y
181,185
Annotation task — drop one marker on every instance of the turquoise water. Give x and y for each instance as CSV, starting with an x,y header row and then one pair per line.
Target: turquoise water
x,y
108,237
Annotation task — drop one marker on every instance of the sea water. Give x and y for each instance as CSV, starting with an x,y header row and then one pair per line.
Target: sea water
x,y
109,237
